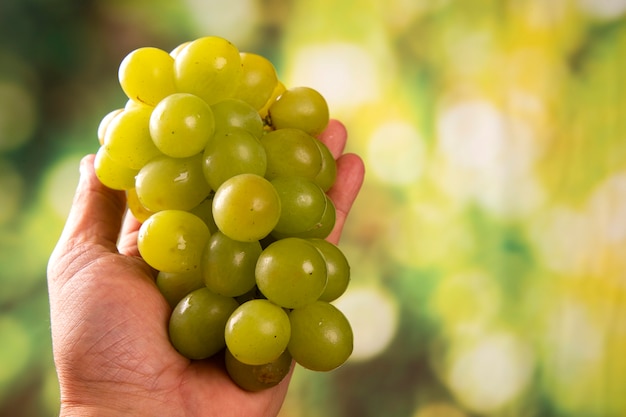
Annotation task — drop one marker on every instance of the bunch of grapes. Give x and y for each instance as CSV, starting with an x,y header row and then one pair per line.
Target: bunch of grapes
x,y
222,166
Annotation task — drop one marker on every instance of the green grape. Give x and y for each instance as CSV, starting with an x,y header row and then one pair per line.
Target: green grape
x,y
291,152
228,265
279,89
127,138
302,204
302,108
231,112
181,125
255,378
321,336
172,183
196,326
176,285
246,207
146,75
174,52
137,209
112,174
104,124
173,241
328,173
204,210
291,273
209,67
232,152
321,230
258,80
257,332
132,104
337,269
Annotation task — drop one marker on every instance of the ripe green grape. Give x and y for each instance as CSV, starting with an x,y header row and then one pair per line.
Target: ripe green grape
x,y
204,210
321,229
232,152
127,138
291,152
302,204
175,286
257,332
172,183
301,108
136,208
255,378
232,112
104,124
113,174
174,52
321,336
328,172
246,207
146,75
291,272
173,241
258,80
181,125
228,265
279,89
209,67
196,326
337,269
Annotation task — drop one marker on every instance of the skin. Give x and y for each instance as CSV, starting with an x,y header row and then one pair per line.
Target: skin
x,y
109,321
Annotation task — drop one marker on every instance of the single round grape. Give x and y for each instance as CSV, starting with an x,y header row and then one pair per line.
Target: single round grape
x,y
232,152
104,124
291,152
173,241
181,125
204,210
337,269
246,207
257,332
291,272
321,230
328,173
232,112
127,138
255,378
279,89
139,212
174,52
228,265
175,286
196,326
258,80
146,75
209,67
172,183
321,336
113,174
302,108
302,204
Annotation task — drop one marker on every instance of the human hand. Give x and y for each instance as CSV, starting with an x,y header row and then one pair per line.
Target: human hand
x,y
109,322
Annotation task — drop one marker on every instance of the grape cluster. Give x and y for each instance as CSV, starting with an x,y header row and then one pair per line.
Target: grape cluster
x,y
222,166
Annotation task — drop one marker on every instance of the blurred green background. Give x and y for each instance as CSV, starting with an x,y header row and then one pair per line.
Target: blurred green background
x,y
488,245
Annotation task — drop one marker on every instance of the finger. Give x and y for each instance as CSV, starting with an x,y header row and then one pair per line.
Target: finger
x,y
350,175
334,137
127,244
96,213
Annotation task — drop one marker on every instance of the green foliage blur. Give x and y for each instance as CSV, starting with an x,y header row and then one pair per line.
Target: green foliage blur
x,y
488,245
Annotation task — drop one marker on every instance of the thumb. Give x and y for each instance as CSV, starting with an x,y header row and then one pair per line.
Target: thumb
x,y
94,219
